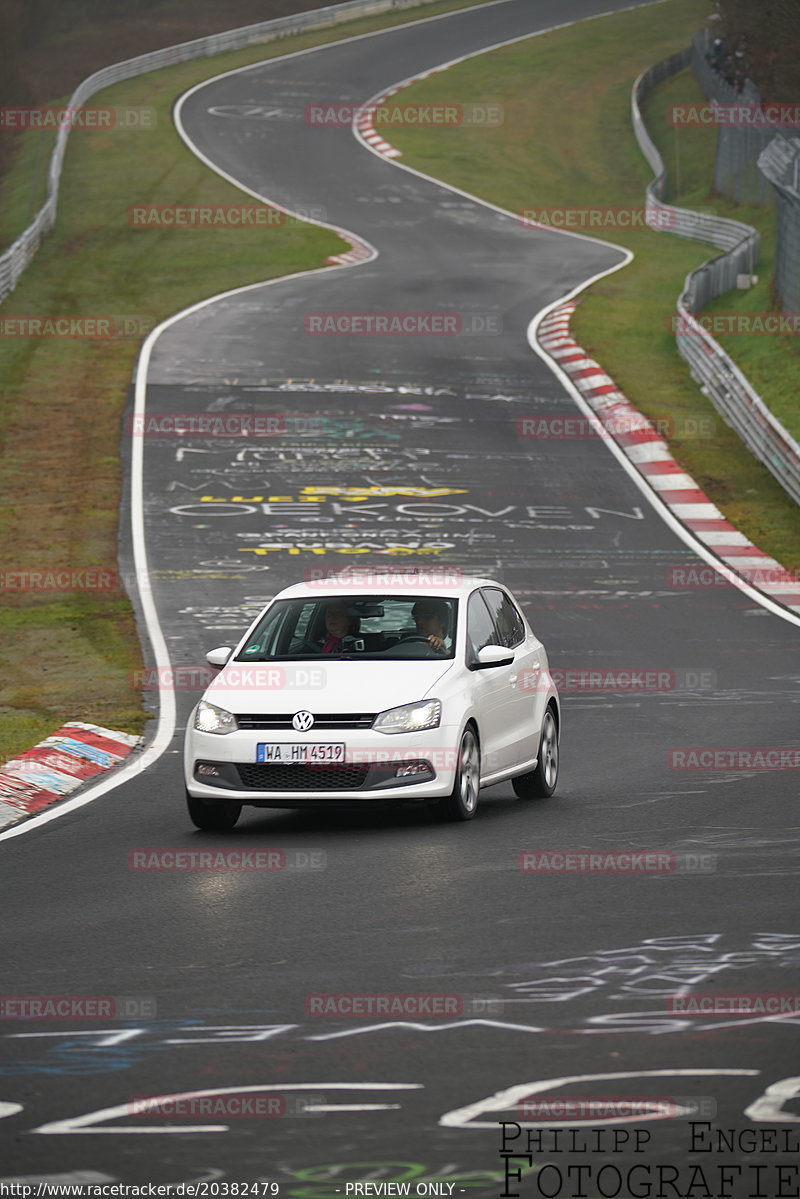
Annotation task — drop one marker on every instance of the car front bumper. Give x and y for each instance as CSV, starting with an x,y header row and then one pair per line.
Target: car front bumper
x,y
377,766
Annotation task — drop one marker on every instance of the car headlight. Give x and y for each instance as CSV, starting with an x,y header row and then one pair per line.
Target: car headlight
x,y
410,718
210,719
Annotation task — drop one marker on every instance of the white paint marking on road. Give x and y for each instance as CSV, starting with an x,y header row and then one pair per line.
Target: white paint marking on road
x,y
769,1106
110,1036
88,1123
351,1107
417,1027
512,1096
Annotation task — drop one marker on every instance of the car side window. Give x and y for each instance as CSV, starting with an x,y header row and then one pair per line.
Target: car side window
x,y
480,627
510,626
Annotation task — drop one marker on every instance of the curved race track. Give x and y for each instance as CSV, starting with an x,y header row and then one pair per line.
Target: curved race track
x,y
410,444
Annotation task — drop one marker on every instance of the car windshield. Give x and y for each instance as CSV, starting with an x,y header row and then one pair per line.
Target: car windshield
x,y
394,627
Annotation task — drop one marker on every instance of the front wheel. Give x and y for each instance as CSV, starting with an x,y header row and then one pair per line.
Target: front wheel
x,y
462,802
541,782
214,816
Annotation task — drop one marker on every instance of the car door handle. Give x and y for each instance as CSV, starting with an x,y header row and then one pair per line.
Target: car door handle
x,y
534,668
523,679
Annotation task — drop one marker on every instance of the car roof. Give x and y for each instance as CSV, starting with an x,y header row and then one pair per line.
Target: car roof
x,y
433,582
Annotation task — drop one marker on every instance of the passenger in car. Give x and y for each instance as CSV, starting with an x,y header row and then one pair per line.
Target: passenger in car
x,y
338,624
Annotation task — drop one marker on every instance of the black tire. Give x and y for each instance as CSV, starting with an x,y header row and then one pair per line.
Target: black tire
x,y
462,802
541,782
214,816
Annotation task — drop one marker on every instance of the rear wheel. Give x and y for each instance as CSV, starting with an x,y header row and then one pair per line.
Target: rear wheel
x,y
541,782
462,802
209,815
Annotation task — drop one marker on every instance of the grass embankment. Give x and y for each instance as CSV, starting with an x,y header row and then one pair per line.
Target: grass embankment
x,y
567,141
71,655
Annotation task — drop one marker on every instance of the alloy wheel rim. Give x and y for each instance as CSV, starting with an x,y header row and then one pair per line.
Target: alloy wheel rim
x,y
469,773
549,750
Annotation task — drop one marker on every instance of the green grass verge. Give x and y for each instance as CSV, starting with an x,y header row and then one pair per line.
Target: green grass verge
x,y
567,141
72,655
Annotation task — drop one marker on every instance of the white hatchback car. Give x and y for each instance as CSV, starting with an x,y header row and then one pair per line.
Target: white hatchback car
x,y
356,691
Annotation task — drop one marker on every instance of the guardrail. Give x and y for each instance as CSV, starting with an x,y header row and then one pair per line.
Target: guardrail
x,y
719,377
17,257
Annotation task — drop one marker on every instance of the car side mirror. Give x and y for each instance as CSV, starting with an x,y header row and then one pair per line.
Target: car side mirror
x,y
218,657
493,655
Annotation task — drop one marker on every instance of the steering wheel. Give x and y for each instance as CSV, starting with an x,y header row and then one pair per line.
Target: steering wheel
x,y
303,646
414,637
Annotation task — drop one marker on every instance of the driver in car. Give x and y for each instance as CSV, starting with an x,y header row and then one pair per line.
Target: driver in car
x,y
430,617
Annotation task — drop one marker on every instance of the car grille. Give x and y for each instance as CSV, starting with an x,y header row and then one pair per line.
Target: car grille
x,y
326,720
298,777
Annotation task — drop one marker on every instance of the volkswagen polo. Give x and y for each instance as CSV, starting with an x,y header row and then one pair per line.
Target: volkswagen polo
x,y
359,690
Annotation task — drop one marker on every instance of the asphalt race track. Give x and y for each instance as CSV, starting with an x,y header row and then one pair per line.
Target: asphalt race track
x,y
414,444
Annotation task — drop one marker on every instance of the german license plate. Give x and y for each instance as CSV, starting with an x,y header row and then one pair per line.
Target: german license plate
x,y
302,752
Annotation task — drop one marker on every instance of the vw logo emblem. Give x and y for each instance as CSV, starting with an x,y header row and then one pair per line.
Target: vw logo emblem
x,y
302,721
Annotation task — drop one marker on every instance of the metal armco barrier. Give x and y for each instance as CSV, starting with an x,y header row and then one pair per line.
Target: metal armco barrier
x,y
721,380
16,258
